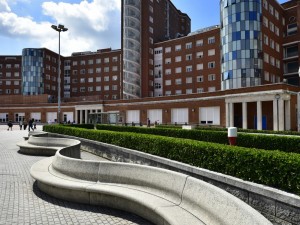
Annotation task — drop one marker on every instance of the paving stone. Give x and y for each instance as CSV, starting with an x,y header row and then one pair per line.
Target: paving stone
x,y
23,203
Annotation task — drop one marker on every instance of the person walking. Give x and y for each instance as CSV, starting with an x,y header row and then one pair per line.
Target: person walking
x,y
25,124
30,125
21,124
10,125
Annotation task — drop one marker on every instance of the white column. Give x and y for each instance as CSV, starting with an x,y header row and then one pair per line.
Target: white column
x,y
227,117
76,116
281,114
275,115
86,117
259,115
231,111
81,116
287,104
245,116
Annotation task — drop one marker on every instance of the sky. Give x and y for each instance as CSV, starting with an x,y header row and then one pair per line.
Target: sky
x,y
92,24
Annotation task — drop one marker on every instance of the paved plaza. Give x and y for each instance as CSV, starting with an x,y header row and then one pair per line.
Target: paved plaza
x,y
21,202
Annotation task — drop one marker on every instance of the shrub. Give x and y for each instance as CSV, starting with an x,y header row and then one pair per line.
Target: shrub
x,y
273,168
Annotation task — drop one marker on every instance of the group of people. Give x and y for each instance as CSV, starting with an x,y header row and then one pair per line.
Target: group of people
x,y
23,124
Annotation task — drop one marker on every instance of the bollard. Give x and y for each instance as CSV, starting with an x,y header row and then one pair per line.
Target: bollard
x,y
232,135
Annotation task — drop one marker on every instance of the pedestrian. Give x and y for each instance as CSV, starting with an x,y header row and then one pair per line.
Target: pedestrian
x,y
34,124
10,125
21,124
25,124
30,125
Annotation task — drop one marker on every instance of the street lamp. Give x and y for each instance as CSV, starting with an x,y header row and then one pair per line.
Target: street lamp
x,y
59,28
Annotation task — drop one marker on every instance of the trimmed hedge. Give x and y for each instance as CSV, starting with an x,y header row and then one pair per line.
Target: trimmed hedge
x,y
260,141
273,168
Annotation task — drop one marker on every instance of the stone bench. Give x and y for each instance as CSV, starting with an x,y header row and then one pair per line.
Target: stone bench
x,y
40,144
159,195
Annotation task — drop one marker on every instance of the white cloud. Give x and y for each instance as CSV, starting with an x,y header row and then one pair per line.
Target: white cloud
x,y
4,6
92,25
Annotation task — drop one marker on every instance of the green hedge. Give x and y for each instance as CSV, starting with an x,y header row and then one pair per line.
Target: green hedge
x,y
273,168
260,141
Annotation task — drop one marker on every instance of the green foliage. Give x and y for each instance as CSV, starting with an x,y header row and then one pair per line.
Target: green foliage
x,y
273,168
261,141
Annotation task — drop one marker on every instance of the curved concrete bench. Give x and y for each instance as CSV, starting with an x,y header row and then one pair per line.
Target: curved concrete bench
x,y
40,144
161,196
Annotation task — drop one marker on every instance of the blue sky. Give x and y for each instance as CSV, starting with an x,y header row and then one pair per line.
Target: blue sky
x,y
93,24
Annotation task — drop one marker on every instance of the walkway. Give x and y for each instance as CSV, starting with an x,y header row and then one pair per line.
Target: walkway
x,y
21,202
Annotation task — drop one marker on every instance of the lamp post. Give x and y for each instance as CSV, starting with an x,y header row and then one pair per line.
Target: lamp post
x,y
59,28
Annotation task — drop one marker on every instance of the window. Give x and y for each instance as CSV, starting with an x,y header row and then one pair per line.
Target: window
x,y
16,82
74,90
115,59
178,70
199,42
114,68
98,61
98,88
167,60
188,80
188,68
271,9
178,59
82,71
200,66
211,40
200,78
168,71
188,57
272,43
115,77
82,80
82,89
211,89
106,69
151,29
168,82
8,82
189,91
74,63
178,92
91,80
17,66
272,26
266,39
90,89
8,66
157,85
82,62
98,79
114,87
177,47
200,90
211,52
267,76
211,65
106,78
74,72
8,74
16,91
178,81
167,49
200,55
265,22
90,61
292,29
266,57
167,93
211,77
188,45
106,60
98,70
106,88
91,70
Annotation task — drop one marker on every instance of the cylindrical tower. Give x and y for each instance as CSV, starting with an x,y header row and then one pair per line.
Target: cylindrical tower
x,y
132,49
241,41
32,71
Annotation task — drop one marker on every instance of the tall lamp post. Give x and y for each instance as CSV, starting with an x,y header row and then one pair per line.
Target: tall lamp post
x,y
59,28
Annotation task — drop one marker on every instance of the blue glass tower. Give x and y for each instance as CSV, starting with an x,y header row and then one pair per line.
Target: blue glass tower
x,y
241,41
32,71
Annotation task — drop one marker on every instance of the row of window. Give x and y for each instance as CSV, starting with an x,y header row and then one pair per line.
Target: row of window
x,y
271,26
10,82
271,9
271,43
83,80
210,40
190,91
210,65
9,74
189,57
9,66
92,61
97,88
270,59
10,91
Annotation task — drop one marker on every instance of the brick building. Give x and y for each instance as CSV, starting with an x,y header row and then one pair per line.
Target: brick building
x,y
243,72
